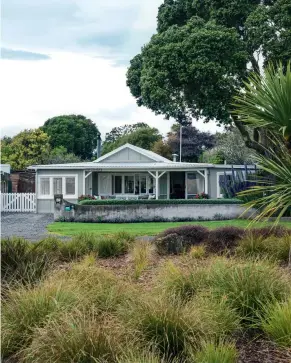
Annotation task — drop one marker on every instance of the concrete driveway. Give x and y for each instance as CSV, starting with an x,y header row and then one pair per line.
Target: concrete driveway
x,y
28,225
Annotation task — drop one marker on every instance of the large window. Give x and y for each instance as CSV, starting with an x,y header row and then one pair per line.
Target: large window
x,y
129,184
44,186
51,185
132,184
57,186
117,184
70,186
222,176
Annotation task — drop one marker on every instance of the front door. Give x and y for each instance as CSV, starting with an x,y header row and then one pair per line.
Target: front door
x,y
177,185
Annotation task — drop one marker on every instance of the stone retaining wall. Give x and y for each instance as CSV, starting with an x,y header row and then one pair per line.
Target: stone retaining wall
x,y
66,211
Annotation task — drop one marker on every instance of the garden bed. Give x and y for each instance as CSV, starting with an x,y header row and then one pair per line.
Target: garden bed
x,y
117,300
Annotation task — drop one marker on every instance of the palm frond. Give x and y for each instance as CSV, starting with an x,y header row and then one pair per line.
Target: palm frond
x,y
274,197
266,100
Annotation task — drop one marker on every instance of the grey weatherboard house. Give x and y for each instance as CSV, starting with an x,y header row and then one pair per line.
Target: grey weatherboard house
x,y
129,172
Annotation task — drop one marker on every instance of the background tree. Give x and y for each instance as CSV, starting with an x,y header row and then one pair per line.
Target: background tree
x,y
118,132
162,148
74,132
26,148
229,147
194,142
144,137
198,59
60,155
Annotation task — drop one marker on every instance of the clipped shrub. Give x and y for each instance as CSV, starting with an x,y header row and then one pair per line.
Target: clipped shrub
x,y
180,239
277,323
78,336
224,239
160,201
216,353
276,231
25,309
22,261
248,286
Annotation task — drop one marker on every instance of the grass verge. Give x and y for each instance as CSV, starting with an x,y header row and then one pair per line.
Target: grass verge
x,y
142,229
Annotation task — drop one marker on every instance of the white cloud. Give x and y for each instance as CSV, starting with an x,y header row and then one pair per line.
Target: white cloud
x,y
85,39
32,92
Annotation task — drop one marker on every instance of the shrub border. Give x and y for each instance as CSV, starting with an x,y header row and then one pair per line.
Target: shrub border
x,y
159,201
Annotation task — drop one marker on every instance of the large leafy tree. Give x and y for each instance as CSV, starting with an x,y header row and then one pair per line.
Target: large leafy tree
x,y
194,142
26,148
74,132
229,147
117,132
202,52
60,155
144,137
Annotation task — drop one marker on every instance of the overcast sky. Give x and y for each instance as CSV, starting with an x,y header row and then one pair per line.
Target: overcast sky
x,y
71,56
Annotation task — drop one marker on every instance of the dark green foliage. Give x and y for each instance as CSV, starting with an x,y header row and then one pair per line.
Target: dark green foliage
x,y
140,135
74,132
180,239
159,201
198,59
224,239
22,261
249,286
194,142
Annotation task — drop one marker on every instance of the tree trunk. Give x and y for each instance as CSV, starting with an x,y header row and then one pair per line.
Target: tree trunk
x,y
252,144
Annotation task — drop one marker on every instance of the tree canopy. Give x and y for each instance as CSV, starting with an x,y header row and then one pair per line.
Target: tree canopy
x,y
144,137
74,132
229,147
201,54
26,148
194,142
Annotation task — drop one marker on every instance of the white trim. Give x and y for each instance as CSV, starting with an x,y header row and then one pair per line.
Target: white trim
x,y
84,184
51,195
206,181
218,194
168,185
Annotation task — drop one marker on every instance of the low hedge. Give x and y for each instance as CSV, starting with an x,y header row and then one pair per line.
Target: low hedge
x,y
159,201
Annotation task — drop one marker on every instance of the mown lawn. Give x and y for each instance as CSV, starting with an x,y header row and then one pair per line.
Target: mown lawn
x,y
141,229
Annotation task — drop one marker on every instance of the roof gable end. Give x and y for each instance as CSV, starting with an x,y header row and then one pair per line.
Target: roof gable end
x,y
130,153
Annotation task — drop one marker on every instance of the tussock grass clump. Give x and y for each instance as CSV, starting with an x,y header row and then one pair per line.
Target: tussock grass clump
x,y
94,285
22,261
277,323
276,248
171,328
141,253
197,252
26,308
181,282
103,246
78,336
216,353
248,286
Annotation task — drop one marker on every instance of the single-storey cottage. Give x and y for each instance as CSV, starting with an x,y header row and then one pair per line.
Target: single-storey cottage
x,y
129,172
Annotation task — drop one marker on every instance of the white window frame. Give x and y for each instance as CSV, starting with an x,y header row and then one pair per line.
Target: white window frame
x,y
219,195
51,195
135,183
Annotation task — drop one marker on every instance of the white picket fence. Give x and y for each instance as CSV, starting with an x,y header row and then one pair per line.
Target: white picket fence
x,y
18,202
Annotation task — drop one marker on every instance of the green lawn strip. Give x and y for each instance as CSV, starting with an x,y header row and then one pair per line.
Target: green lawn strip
x,y
141,229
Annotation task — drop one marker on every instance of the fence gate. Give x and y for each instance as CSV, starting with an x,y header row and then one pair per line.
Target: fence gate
x,y
18,202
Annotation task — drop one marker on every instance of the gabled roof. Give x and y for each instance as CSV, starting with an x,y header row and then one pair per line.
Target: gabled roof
x,y
149,154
